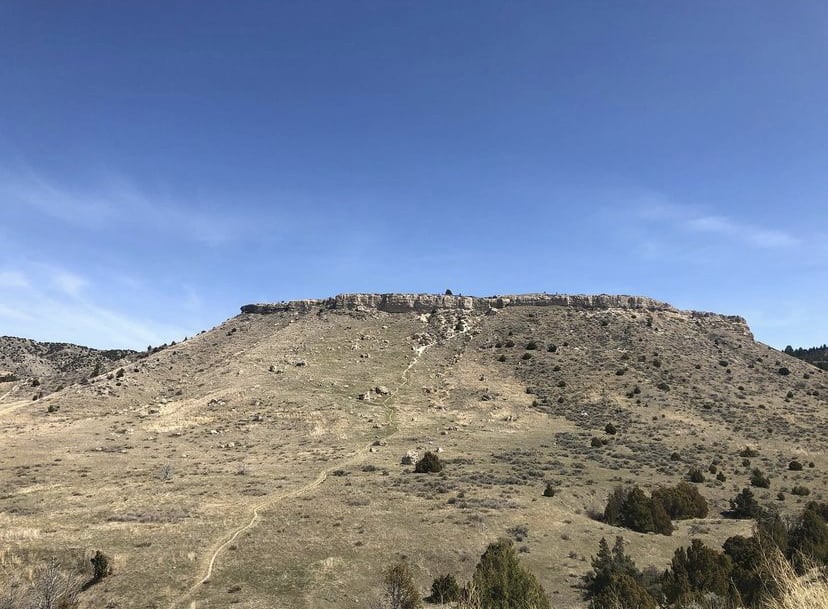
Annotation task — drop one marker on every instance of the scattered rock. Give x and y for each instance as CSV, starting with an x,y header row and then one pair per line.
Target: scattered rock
x,y
409,458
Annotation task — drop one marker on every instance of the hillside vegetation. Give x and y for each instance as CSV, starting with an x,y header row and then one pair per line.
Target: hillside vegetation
x,y
270,462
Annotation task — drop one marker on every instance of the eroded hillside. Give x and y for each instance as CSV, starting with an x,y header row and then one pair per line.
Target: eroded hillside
x,y
29,367
261,463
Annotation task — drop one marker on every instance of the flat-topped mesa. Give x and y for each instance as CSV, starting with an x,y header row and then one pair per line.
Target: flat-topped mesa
x,y
425,303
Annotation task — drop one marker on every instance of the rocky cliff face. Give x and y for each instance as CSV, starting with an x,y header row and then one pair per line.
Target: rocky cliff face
x,y
424,303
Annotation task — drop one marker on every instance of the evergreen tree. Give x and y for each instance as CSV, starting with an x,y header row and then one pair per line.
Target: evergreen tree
x,y
615,582
624,592
808,540
503,583
695,572
744,505
748,574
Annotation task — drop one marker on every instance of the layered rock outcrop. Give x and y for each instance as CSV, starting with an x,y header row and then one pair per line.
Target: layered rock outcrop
x,y
424,303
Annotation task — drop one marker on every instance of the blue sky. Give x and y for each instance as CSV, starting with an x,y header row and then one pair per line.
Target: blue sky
x,y
163,163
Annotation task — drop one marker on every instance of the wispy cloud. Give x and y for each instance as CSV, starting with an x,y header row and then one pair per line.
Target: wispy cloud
x,y
116,201
69,283
13,279
690,219
13,314
51,303
745,232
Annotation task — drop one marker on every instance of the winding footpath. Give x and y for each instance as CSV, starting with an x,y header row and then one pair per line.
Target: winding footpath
x,y
232,535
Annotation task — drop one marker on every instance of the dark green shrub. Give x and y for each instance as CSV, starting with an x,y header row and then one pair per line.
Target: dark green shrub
x,y
681,501
552,348
721,477
615,579
695,475
624,591
808,537
502,358
595,442
100,566
526,356
632,509
445,589
674,456
503,583
795,466
697,572
510,343
800,491
549,491
748,572
610,429
744,506
531,345
747,451
784,371
759,479
429,464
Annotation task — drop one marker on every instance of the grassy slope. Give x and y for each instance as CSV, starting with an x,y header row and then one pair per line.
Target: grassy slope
x,y
333,511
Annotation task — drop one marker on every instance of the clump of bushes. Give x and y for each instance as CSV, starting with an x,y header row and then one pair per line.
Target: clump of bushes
x,y
759,479
632,509
615,581
499,581
695,475
429,464
744,506
445,589
681,501
698,576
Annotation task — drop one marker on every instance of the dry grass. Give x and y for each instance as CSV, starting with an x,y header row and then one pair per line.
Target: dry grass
x,y
241,425
809,591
